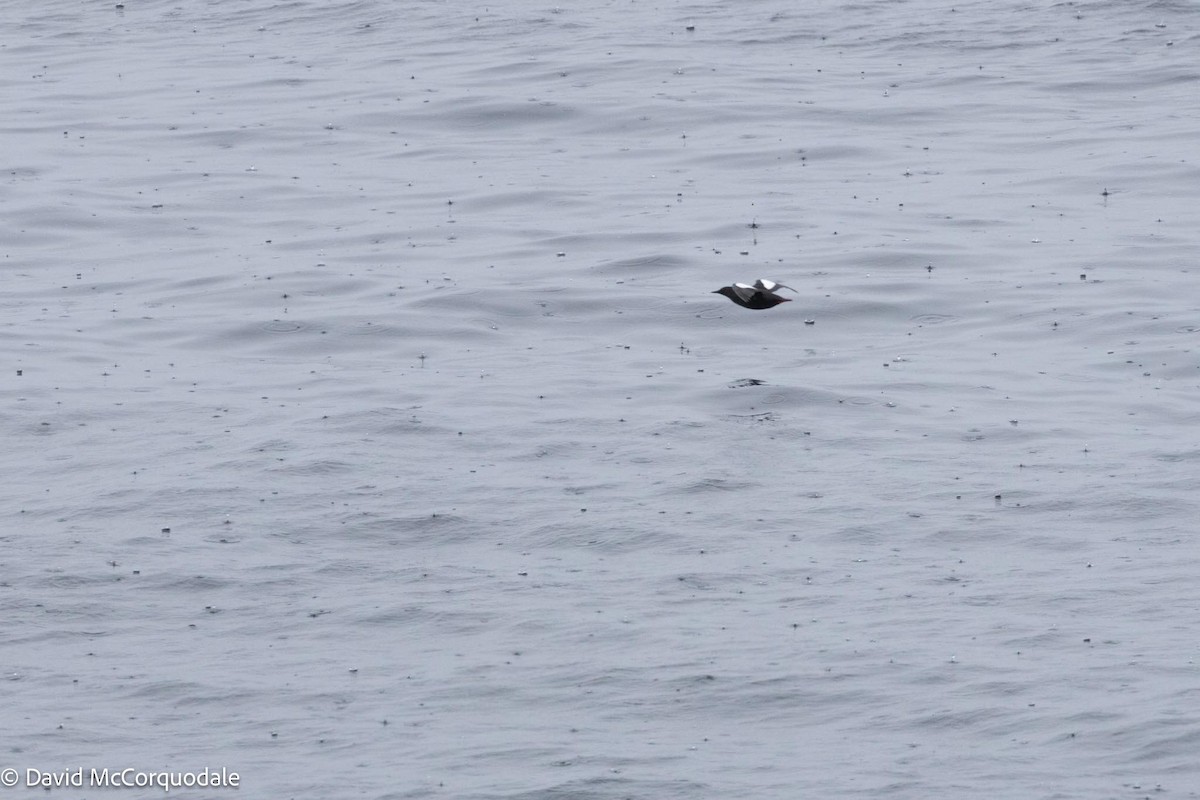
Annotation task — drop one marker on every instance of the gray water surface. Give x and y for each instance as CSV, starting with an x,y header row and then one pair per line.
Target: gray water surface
x,y
371,429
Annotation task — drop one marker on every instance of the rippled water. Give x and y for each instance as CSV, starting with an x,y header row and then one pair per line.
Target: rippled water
x,y
372,431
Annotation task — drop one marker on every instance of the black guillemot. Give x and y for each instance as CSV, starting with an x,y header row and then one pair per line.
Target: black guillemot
x,y
757,297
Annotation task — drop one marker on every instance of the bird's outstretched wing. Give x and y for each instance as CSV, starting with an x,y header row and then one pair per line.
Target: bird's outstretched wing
x,y
746,292
770,286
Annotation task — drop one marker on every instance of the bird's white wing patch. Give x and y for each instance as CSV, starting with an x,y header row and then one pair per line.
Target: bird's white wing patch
x,y
770,286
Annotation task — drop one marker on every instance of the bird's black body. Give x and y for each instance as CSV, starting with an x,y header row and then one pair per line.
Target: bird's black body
x,y
757,297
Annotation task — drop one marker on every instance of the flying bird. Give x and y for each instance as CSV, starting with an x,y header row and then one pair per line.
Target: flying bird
x,y
763,294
